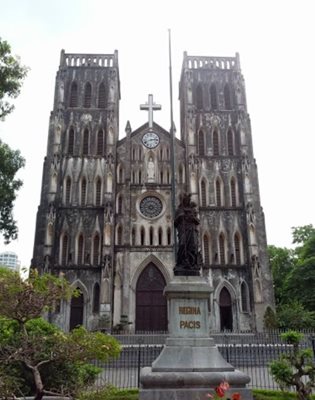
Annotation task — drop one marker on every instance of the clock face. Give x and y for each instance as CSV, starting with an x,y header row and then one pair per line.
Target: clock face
x,y
150,140
151,206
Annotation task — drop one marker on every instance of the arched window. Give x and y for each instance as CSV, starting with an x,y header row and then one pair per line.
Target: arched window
x,y
98,191
201,143
218,194
100,143
160,233
96,250
68,191
168,177
120,174
101,96
161,177
180,174
140,177
142,236
227,97
96,298
120,205
133,236
203,194
237,248
86,140
87,95
215,142
233,193
169,236
230,141
73,95
244,297
151,235
83,192
206,250
199,97
64,250
80,250
119,236
71,142
213,97
222,249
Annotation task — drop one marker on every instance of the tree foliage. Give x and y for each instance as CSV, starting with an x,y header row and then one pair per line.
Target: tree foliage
x,y
12,74
36,357
296,368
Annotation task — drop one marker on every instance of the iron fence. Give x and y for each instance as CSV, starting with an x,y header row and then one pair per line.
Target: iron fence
x,y
252,353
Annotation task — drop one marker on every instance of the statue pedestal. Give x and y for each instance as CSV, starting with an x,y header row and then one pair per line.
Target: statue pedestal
x,y
190,364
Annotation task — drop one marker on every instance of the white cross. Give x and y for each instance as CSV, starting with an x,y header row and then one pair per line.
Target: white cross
x,y
150,106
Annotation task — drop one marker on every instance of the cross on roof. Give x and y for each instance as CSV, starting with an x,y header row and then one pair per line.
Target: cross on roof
x,y
150,106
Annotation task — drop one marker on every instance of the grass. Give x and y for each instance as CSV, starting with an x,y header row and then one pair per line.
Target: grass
x,y
111,393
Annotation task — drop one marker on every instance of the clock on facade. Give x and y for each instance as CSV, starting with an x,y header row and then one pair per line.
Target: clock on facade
x,y
150,140
151,206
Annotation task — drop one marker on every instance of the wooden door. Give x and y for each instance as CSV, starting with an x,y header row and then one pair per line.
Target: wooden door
x,y
151,306
226,316
76,312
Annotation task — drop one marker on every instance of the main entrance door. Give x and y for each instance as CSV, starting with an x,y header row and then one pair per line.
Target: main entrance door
x,y
226,316
76,313
151,309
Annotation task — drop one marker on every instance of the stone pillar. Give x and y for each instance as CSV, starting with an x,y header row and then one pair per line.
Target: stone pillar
x,y
190,365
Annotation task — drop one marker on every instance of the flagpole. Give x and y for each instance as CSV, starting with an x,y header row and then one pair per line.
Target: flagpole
x,y
172,135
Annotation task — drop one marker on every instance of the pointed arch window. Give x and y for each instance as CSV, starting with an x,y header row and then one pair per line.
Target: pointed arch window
x,y
206,250
233,193
203,194
64,250
133,236
180,174
168,177
227,97
68,191
169,236
140,177
222,249
96,250
244,297
83,192
86,140
201,143
161,177
101,96
230,140
213,97
96,298
73,95
218,192
120,205
80,250
100,142
71,142
199,97
160,234
98,191
87,95
237,249
151,236
215,142
142,236
119,236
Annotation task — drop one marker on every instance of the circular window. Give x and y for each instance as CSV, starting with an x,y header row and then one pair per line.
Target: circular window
x,y
151,206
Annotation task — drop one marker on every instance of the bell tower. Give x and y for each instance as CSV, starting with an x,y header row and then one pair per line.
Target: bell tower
x,y
222,176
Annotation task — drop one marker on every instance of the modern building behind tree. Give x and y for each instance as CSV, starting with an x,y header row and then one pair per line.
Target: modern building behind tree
x,y
105,218
10,260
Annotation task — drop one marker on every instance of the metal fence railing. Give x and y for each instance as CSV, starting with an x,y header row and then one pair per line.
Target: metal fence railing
x,y
249,352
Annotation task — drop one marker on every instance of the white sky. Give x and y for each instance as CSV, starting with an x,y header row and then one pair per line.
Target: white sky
x,y
275,39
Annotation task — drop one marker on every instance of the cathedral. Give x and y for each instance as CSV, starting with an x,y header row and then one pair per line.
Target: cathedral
x,y
106,214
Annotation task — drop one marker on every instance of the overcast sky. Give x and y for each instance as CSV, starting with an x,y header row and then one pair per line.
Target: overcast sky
x,y
275,40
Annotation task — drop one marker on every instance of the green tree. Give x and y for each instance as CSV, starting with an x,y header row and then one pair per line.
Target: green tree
x,y
12,74
36,356
296,368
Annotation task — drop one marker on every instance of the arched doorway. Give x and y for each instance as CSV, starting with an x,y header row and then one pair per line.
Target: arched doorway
x,y
151,309
76,311
226,316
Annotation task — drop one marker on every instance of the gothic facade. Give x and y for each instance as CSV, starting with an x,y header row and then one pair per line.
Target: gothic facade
x,y
105,219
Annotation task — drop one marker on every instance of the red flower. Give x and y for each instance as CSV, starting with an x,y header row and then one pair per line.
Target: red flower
x,y
236,396
220,391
